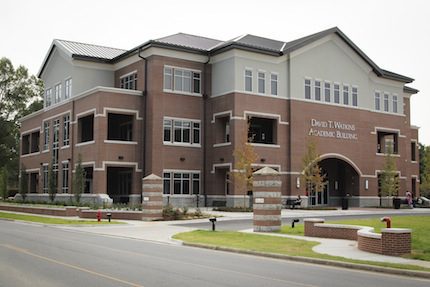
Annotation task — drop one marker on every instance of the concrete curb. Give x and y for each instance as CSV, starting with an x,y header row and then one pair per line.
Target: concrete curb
x,y
363,267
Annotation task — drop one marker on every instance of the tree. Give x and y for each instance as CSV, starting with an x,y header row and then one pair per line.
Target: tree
x,y
389,178
78,180
52,182
23,183
20,94
424,170
3,183
244,156
312,175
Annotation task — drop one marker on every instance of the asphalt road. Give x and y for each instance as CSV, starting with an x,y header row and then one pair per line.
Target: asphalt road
x,y
242,224
36,256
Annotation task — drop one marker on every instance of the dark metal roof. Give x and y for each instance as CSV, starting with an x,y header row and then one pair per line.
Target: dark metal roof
x,y
208,46
190,41
89,51
410,90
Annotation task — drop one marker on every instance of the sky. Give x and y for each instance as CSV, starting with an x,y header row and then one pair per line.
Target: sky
x,y
394,34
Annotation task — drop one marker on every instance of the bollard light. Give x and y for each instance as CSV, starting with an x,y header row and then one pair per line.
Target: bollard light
x,y
295,220
109,215
213,220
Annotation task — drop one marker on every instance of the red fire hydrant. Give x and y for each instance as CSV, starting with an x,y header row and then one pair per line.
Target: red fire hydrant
x,y
387,220
99,215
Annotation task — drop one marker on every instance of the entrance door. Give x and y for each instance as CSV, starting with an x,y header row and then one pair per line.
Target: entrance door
x,y
319,198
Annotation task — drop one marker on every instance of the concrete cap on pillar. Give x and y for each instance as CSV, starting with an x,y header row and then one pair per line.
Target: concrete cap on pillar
x,y
266,171
152,177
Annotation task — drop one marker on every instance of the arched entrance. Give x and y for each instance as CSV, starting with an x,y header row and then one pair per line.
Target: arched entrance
x,y
342,180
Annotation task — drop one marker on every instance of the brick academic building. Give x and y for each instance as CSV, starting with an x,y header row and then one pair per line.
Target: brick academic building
x,y
177,107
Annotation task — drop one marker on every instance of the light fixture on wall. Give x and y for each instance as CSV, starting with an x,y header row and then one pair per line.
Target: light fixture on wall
x,y
366,184
120,157
221,159
182,158
298,182
262,159
336,185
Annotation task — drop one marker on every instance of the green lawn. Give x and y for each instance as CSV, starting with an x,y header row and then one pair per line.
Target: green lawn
x,y
420,226
271,244
51,220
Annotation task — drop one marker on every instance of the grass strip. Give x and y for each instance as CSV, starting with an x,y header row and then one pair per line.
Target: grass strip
x,y
420,226
273,245
52,220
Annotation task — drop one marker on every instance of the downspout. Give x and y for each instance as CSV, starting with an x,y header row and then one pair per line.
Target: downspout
x,y
144,109
205,98
289,120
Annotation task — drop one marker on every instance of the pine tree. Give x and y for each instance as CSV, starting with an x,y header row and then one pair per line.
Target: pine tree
x,y
425,170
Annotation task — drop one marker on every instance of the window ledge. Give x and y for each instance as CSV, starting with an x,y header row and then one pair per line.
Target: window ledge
x,y
85,143
222,144
414,161
30,154
45,151
182,93
120,142
180,195
65,146
385,154
265,145
182,144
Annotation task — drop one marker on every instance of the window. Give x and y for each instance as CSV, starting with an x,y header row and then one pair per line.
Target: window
x,y
25,144
274,84
318,90
377,101
68,92
86,128
48,97
261,82
222,129
65,173
120,127
248,80
178,182
386,107
336,92
354,96
34,141
45,135
413,151
181,131
57,95
182,80
307,89
262,130
56,133
387,141
345,95
394,104
129,82
45,178
66,130
327,92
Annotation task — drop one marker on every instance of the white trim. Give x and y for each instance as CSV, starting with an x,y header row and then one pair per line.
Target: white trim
x,y
182,68
183,93
221,115
379,171
182,144
128,74
84,113
33,170
181,171
30,131
118,163
45,151
283,46
65,161
106,110
386,154
264,145
186,119
342,157
85,143
264,115
53,117
120,142
221,144
229,165
65,146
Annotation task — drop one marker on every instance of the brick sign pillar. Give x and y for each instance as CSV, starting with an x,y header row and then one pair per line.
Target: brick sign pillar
x,y
267,200
152,198
396,241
